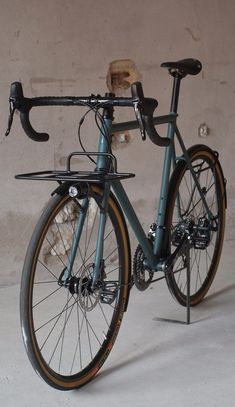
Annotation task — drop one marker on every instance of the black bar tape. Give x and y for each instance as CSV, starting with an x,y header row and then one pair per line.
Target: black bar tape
x,y
31,133
153,134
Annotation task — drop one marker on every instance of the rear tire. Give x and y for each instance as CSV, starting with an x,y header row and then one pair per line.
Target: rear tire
x,y
185,209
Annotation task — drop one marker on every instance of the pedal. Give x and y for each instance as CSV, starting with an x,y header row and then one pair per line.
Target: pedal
x,y
109,292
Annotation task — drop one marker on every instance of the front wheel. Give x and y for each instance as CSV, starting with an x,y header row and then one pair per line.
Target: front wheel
x,y
69,330
187,214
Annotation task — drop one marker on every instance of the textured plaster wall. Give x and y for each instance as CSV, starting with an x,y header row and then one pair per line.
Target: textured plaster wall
x,y
59,47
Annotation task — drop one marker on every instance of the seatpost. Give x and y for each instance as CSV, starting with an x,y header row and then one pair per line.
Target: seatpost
x,y
175,92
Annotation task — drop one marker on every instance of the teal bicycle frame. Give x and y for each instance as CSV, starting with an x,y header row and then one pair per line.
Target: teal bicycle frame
x,y
154,253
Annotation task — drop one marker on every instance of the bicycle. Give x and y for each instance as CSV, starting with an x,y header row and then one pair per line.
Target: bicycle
x,y
73,296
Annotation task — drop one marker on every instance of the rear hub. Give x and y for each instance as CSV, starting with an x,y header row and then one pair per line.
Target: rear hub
x,y
199,232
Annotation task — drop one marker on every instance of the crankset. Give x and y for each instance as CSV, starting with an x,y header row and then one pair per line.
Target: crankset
x,y
142,276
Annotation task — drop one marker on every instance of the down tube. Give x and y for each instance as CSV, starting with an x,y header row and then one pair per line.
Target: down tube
x,y
134,222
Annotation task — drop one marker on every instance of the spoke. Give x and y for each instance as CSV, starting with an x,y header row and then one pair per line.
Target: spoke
x,y
193,194
78,344
198,272
46,282
179,275
88,335
110,254
178,270
58,316
179,205
207,266
57,343
209,255
92,330
195,203
87,321
57,255
211,181
102,311
62,342
196,263
89,239
66,251
52,319
75,236
212,243
49,271
191,191
111,271
45,298
84,265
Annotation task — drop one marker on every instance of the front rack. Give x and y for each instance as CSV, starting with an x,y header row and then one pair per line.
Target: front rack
x,y
86,176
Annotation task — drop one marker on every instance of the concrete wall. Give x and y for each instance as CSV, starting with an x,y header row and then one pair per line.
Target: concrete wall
x,y
58,47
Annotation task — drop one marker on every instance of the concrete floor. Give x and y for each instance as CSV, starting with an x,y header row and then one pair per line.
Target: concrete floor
x,y
154,362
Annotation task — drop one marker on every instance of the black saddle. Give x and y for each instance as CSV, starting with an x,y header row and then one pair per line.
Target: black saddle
x,y
183,67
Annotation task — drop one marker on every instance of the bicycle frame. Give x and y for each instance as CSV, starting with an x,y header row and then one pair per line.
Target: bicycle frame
x,y
155,254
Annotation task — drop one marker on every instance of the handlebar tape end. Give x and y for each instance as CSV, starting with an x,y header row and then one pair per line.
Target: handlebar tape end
x,y
31,133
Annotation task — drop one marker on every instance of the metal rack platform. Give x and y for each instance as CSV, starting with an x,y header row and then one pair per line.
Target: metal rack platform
x,y
78,176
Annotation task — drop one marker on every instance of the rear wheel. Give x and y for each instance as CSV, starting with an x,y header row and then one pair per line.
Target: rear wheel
x,y
69,330
186,213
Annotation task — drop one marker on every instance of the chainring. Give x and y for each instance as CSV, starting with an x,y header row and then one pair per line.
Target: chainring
x,y
142,276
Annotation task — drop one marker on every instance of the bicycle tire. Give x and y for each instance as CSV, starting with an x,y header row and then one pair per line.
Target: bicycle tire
x,y
184,206
84,325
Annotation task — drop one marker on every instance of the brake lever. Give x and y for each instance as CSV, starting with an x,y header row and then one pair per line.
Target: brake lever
x,y
140,120
10,118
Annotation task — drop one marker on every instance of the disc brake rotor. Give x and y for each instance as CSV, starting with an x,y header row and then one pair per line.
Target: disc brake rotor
x,y
87,297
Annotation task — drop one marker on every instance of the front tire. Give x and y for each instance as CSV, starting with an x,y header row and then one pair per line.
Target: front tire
x,y
69,331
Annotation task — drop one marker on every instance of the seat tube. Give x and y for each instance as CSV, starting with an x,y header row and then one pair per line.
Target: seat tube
x,y
160,221
168,159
